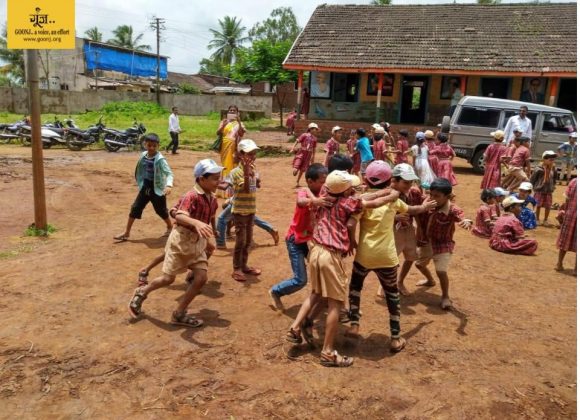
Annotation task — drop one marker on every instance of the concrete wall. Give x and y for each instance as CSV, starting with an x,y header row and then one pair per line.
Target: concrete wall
x,y
68,102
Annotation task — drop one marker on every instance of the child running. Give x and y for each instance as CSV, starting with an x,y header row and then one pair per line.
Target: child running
x,y
445,155
332,146
567,237
306,152
567,154
363,146
155,181
527,215
543,180
300,232
435,237
508,233
333,239
291,123
484,219
421,159
492,158
402,147
185,248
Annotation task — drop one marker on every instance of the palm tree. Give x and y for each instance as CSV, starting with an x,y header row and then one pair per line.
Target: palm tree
x,y
94,34
124,38
228,40
381,2
14,59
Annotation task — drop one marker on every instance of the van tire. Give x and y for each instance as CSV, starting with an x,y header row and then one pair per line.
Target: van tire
x,y
446,124
477,161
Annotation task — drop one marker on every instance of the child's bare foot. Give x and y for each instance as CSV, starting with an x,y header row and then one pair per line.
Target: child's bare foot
x,y
238,275
276,237
122,237
426,283
276,301
403,290
559,267
398,344
446,303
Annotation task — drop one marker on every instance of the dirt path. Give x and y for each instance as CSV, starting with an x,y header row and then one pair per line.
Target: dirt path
x,y
68,349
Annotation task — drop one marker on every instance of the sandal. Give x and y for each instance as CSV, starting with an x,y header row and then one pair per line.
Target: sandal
x,y
252,271
143,278
136,302
294,336
306,331
401,346
122,237
239,277
185,320
335,360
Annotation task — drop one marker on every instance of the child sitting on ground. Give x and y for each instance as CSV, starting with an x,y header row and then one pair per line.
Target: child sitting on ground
x,y
527,215
435,237
543,180
484,219
306,152
187,243
508,233
332,146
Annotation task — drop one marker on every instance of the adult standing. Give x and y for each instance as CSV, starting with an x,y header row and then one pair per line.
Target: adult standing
x,y
231,131
305,102
456,96
174,131
521,121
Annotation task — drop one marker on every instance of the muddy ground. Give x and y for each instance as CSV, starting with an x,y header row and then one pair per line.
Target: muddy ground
x,y
69,350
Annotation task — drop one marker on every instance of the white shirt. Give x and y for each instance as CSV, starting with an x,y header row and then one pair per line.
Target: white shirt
x,y
174,123
515,121
456,97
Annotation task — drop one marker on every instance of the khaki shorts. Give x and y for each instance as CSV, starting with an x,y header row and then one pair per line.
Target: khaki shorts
x,y
441,261
326,273
406,242
183,250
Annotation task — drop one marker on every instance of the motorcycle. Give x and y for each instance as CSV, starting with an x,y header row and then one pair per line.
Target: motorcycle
x,y
131,137
76,138
9,132
48,136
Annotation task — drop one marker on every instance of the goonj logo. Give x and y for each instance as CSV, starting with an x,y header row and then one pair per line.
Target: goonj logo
x,y
39,19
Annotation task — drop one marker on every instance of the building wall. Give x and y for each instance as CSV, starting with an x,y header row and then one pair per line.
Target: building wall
x,y
286,89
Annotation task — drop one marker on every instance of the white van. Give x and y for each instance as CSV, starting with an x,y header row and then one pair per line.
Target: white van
x,y
475,117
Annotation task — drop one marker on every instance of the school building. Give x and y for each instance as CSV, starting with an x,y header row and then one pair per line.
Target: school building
x,y
406,63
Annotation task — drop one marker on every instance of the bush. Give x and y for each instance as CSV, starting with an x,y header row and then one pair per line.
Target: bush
x,y
133,108
187,89
32,230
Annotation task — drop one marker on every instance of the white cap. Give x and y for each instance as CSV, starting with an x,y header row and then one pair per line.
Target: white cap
x,y
387,124
549,154
312,125
499,191
380,130
338,182
573,135
335,129
510,201
526,186
497,134
247,146
376,126
405,171
518,128
206,166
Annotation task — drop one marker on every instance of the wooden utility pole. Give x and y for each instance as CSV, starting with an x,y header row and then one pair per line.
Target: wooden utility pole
x,y
158,26
40,221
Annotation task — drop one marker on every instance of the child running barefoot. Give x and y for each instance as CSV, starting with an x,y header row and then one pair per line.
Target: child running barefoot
x,y
508,233
527,215
300,232
543,180
353,153
306,153
155,181
185,248
484,219
435,237
567,236
333,239
492,158
377,251
332,146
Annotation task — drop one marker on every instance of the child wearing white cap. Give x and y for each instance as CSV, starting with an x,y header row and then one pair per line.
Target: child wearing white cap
x,y
567,154
492,158
508,233
527,215
187,244
332,146
306,153
543,180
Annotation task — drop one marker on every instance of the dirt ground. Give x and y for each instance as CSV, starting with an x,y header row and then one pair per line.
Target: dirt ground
x,y
69,350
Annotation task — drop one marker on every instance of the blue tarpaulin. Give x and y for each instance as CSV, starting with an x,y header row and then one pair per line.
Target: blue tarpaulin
x,y
101,57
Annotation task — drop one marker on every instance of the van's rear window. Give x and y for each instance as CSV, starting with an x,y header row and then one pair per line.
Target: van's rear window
x,y
480,117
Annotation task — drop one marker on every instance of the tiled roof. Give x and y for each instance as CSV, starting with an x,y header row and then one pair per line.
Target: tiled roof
x,y
468,37
191,79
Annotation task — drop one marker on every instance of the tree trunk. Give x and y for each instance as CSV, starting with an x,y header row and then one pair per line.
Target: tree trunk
x,y
280,105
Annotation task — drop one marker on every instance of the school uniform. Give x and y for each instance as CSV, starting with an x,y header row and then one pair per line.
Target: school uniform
x,y
567,236
507,236
544,184
482,220
244,211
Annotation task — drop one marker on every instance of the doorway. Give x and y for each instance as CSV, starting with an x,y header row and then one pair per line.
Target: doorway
x,y
495,87
567,96
414,99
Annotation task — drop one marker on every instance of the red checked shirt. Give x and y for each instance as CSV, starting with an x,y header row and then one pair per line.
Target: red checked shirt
x,y
520,157
438,226
198,205
413,198
330,230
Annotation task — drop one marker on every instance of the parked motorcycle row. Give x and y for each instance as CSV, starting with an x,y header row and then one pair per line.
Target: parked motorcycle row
x,y
68,134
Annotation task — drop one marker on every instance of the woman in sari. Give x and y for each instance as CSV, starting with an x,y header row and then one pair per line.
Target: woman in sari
x,y
231,131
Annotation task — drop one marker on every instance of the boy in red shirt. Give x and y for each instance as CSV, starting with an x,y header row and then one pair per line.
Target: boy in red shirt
x,y
332,146
300,232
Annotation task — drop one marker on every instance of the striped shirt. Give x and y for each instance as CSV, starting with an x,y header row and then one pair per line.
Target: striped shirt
x,y
243,202
330,230
438,226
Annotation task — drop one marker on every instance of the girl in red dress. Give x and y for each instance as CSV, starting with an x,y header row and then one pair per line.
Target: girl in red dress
x,y
430,143
484,220
567,236
492,158
508,232
353,153
305,152
444,154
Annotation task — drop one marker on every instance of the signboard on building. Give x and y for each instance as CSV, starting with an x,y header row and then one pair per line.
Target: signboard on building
x,y
41,24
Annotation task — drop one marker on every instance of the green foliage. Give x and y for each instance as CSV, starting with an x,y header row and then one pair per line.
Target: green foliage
x,y
34,231
94,34
381,2
488,2
124,38
227,40
186,88
14,67
214,67
280,26
131,109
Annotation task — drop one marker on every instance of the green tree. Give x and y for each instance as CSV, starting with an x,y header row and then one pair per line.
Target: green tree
x,y
214,67
262,62
94,34
228,40
488,2
124,38
280,26
381,2
13,69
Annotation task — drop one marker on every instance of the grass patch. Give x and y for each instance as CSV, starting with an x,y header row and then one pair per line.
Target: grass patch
x,y
272,151
34,231
22,249
199,132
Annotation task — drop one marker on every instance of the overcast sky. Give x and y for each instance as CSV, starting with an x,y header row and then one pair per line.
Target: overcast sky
x,y
188,21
